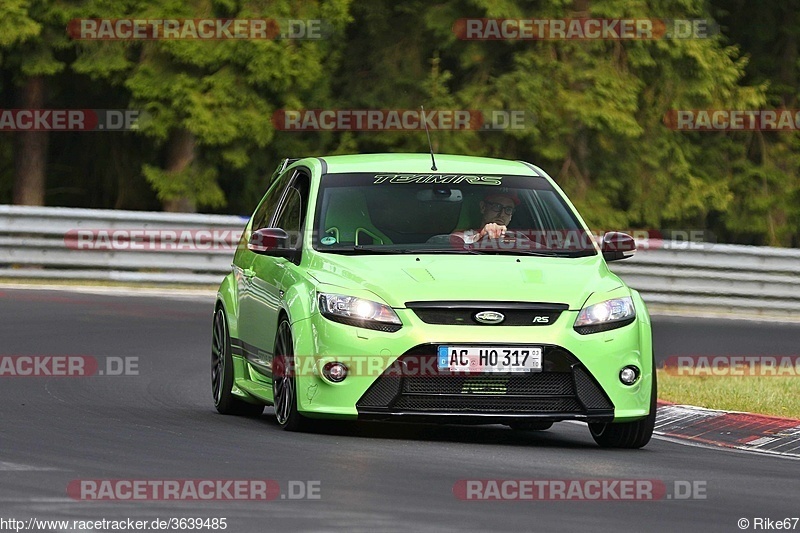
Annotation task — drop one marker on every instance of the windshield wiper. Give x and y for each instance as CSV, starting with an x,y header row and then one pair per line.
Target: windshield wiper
x,y
447,251
520,252
536,253
366,249
379,249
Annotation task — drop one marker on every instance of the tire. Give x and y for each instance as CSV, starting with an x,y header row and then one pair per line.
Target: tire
x,y
284,385
530,426
222,373
628,434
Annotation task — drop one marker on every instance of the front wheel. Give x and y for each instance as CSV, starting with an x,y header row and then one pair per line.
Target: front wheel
x,y
222,373
628,434
284,384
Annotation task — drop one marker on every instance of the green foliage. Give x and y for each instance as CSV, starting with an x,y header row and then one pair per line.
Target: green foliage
x,y
16,25
222,92
196,182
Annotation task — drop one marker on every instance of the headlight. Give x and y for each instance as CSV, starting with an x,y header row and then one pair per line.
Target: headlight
x,y
604,316
358,312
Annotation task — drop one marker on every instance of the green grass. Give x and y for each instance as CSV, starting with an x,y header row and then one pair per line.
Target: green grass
x,y
777,396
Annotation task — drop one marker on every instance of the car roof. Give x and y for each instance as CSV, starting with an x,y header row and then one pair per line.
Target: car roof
x,y
421,164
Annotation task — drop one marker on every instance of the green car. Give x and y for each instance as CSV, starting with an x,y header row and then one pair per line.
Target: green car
x,y
461,290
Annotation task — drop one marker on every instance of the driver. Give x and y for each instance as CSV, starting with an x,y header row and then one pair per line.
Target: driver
x,y
497,208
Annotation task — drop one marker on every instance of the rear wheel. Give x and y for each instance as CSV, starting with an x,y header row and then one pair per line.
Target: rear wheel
x,y
628,434
284,385
222,373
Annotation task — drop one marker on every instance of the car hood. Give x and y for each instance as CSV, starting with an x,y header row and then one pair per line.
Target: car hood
x,y
398,279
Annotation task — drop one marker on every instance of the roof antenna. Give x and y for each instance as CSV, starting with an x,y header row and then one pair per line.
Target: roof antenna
x,y
433,161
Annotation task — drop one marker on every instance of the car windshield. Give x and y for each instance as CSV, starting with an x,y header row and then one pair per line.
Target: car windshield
x,y
368,213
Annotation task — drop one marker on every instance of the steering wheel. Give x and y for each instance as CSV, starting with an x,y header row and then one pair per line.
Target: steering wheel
x,y
442,238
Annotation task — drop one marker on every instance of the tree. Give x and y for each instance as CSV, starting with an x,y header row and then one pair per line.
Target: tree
x,y
209,103
766,176
31,33
599,104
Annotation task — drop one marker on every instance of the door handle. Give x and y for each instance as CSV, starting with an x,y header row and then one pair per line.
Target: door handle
x,y
248,273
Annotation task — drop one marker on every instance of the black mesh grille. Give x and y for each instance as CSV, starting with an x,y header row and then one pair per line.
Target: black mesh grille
x,y
590,395
466,316
530,384
497,404
381,393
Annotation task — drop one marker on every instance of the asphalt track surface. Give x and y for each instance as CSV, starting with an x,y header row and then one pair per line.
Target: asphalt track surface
x,y
160,424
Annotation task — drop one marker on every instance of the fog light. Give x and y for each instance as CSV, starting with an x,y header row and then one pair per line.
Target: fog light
x,y
335,372
629,375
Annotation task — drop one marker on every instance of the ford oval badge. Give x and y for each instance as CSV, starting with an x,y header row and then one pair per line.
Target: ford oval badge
x,y
489,317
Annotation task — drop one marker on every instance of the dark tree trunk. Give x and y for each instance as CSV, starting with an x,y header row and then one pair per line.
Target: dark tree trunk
x,y
180,154
787,72
30,150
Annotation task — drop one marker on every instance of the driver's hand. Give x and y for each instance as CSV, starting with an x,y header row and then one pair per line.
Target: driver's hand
x,y
492,230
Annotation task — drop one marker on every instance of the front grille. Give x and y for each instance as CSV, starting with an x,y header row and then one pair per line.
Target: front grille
x,y
414,385
382,392
530,384
589,394
459,313
466,317
487,405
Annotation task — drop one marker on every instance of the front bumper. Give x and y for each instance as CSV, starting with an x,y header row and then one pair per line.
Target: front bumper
x,y
579,379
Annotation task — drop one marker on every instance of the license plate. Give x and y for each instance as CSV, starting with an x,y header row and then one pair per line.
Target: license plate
x,y
490,358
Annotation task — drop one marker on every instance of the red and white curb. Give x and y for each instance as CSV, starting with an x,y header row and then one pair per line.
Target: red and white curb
x,y
727,429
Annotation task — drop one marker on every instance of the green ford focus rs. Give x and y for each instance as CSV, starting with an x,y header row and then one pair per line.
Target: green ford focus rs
x,y
464,290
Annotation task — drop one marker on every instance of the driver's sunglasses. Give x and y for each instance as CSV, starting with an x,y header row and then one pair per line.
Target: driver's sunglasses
x,y
494,206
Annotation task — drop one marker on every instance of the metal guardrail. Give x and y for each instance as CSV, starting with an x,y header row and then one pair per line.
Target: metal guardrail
x,y
43,243
759,280
35,243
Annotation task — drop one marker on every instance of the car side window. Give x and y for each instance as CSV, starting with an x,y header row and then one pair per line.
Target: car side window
x,y
266,209
293,210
